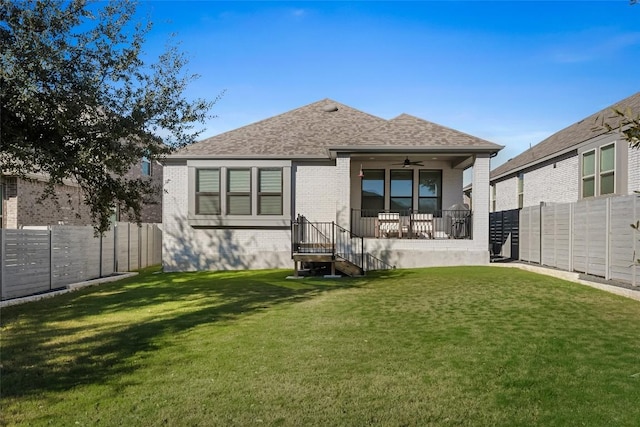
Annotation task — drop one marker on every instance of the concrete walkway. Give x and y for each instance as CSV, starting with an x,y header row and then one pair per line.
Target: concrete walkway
x,y
572,277
70,288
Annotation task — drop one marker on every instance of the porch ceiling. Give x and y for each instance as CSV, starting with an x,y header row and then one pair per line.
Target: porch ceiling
x,y
457,161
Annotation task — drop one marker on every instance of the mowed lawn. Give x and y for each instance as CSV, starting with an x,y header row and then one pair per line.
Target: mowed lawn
x,y
477,346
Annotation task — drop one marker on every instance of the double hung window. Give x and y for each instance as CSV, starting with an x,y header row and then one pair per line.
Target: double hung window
x,y
598,175
239,194
270,192
208,191
520,191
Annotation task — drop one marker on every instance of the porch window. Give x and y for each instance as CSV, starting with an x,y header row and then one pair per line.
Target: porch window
x,y
430,191
239,192
607,169
372,192
588,174
208,191
270,192
401,190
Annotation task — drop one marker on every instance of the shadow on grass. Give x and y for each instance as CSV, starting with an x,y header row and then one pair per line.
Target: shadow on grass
x,y
93,335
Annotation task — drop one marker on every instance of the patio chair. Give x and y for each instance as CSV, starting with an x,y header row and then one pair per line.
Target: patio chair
x,y
388,224
422,225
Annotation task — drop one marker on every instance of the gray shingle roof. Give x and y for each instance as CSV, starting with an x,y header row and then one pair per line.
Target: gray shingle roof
x,y
312,129
407,130
568,137
305,131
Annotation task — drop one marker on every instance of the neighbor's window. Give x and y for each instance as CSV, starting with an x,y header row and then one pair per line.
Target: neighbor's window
x,y
146,166
520,190
588,174
208,191
372,192
401,190
430,191
239,192
493,198
607,169
270,192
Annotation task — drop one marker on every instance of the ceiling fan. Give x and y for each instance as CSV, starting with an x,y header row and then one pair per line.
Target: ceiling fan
x,y
408,163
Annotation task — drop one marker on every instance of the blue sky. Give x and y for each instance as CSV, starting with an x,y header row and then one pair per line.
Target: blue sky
x,y
510,72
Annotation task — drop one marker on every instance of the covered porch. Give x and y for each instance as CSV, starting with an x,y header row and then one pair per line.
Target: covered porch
x,y
414,194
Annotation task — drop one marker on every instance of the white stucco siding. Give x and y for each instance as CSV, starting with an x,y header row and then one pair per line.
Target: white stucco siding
x,y
553,183
634,170
186,248
315,192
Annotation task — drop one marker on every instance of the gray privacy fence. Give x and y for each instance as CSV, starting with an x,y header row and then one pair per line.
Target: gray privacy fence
x,y
34,261
590,236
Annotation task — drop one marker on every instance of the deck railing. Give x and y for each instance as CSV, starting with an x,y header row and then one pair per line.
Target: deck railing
x,y
446,224
326,238
330,238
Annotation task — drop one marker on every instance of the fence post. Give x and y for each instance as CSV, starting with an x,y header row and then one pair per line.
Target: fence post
x,y
607,251
100,257
128,246
3,240
50,229
634,265
571,234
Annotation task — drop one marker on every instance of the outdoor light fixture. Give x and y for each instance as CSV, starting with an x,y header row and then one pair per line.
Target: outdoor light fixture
x,y
361,173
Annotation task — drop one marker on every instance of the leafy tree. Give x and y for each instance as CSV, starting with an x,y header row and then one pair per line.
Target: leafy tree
x,y
80,102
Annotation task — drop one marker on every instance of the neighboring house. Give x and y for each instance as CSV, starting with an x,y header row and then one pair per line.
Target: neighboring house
x,y
22,204
230,200
581,161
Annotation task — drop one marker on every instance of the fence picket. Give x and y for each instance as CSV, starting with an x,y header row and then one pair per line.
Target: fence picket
x,y
33,261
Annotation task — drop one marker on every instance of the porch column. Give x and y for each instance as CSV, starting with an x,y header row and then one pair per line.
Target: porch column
x,y
343,190
481,168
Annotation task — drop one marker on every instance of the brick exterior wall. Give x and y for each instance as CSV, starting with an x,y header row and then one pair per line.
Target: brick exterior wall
x,y
186,248
22,205
318,200
506,194
552,183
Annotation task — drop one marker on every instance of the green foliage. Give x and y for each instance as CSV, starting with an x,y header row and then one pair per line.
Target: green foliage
x,y
79,101
625,122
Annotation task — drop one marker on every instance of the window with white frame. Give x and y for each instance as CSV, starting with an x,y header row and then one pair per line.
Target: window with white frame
x,y
520,191
239,194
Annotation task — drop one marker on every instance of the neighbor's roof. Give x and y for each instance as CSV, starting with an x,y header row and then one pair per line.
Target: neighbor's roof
x,y
569,137
311,130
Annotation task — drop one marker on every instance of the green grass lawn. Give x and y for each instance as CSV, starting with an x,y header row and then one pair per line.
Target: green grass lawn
x,y
443,346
